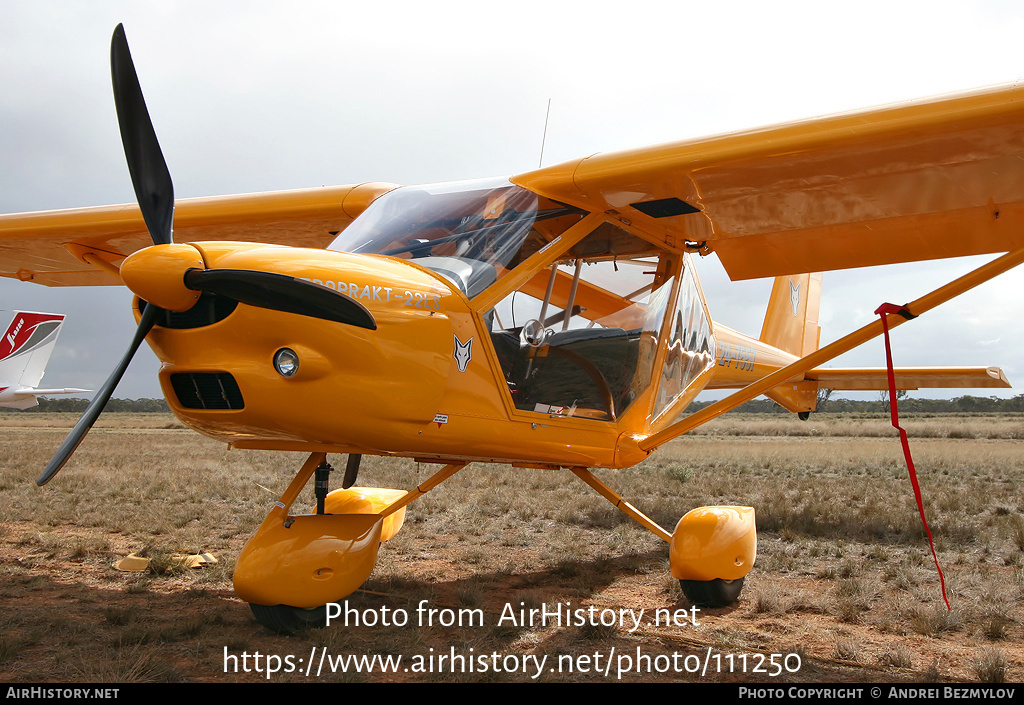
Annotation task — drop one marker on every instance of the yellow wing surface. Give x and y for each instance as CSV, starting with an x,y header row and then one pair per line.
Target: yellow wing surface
x,y
922,180
52,247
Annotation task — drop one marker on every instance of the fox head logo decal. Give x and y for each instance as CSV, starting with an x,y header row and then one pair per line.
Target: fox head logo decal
x,y
463,353
794,297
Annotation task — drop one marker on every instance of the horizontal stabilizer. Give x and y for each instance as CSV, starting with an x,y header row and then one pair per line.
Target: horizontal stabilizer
x,y
25,397
869,378
65,390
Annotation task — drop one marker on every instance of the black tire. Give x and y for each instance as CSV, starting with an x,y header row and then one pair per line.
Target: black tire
x,y
712,593
285,619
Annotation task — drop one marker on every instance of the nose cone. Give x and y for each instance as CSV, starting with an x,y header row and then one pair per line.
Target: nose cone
x,y
157,275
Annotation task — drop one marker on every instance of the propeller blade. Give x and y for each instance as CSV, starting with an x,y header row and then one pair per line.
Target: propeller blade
x,y
279,292
150,176
100,400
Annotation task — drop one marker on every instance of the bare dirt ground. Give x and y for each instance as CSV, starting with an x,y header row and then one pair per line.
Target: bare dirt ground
x,y
825,603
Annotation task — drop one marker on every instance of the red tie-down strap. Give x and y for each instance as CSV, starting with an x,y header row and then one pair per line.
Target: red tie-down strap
x,y
894,414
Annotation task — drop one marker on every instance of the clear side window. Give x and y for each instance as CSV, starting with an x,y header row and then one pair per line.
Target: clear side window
x,y
691,344
579,338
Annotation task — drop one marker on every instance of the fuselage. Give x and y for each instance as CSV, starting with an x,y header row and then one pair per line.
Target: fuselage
x,y
482,351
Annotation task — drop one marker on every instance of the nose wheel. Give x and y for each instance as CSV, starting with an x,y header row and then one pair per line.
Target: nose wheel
x,y
285,619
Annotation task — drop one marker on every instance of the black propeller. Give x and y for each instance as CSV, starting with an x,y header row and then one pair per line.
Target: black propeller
x,y
150,176
100,400
155,193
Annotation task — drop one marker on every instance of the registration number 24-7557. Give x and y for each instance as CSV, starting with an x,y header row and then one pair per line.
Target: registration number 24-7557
x,y
739,356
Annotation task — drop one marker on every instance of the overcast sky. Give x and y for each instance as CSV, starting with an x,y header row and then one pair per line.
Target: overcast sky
x,y
257,96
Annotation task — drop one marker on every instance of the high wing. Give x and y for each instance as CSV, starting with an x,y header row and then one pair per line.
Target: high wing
x,y
48,247
922,180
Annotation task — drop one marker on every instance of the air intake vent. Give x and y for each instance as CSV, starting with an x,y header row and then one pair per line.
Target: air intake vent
x,y
209,309
665,208
207,390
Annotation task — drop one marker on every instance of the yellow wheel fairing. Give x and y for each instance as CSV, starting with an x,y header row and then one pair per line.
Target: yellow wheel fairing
x,y
308,560
368,500
712,543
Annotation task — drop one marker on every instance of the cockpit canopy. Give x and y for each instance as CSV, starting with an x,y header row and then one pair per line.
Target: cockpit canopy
x,y
471,232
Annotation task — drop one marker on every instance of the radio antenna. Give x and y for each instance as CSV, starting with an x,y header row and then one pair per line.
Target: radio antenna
x,y
540,162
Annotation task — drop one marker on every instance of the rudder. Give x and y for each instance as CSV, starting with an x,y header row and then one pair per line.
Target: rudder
x,y
791,325
26,346
791,322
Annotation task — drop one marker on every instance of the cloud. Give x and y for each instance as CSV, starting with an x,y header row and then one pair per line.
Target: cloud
x,y
259,96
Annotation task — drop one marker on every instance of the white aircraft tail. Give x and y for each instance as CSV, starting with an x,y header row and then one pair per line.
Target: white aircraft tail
x,y
24,351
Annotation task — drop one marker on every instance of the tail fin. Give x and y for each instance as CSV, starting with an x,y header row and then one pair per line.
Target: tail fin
x,y
24,351
791,325
26,346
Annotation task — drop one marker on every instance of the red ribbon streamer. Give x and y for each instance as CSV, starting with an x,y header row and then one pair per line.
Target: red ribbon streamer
x,y
882,311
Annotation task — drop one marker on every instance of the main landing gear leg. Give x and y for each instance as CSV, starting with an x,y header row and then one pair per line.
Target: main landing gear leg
x,y
710,552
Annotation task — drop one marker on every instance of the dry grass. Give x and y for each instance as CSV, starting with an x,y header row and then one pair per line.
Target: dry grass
x,y
843,569
987,426
990,666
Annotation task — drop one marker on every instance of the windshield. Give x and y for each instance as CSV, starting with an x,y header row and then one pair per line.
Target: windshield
x,y
471,232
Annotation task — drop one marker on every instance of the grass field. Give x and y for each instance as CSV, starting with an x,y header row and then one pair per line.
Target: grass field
x,y
844,583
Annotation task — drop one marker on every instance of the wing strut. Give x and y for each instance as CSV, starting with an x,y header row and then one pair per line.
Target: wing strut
x,y
872,330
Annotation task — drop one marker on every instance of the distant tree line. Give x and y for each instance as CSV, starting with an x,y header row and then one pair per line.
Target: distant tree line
x,y
961,405
78,405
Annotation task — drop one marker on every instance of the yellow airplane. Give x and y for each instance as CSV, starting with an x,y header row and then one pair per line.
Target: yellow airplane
x,y
550,321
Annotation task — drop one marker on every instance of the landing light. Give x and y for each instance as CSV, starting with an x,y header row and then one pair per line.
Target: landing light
x,y
286,362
